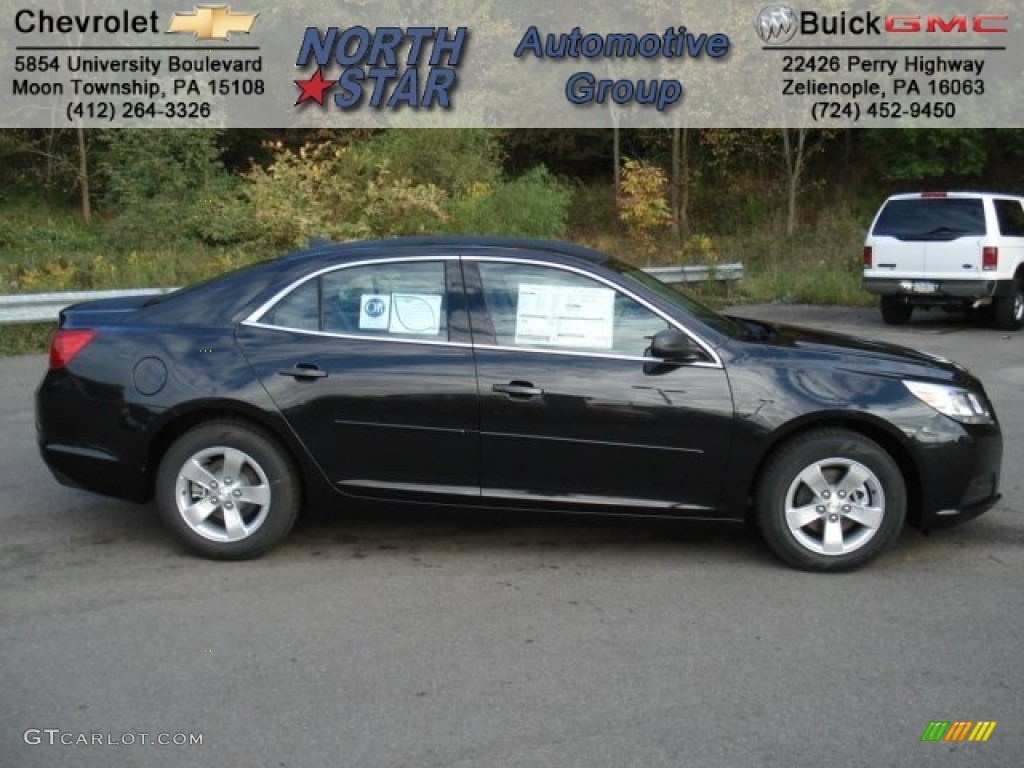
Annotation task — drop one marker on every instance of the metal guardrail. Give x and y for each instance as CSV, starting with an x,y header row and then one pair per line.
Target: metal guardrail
x,y
698,273
44,307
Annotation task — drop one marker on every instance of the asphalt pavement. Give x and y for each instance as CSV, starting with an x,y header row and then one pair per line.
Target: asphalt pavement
x,y
416,637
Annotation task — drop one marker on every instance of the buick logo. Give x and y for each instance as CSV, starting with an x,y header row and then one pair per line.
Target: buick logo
x,y
776,24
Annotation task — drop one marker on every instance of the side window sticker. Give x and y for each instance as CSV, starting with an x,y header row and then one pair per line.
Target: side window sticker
x,y
374,312
415,313
418,313
565,316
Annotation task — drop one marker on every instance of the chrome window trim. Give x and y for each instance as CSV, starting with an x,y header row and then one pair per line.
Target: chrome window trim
x,y
253,320
357,337
255,316
466,345
715,362
581,353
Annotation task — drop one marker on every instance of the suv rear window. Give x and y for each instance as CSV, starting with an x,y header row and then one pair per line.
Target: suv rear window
x,y
938,218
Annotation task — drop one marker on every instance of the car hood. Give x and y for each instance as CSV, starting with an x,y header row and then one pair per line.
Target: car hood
x,y
797,344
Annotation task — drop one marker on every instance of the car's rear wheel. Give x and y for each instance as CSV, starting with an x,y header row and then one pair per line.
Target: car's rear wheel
x,y
895,311
830,501
1009,310
228,490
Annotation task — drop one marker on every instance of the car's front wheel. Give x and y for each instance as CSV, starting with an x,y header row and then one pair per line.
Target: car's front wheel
x,y
830,500
228,490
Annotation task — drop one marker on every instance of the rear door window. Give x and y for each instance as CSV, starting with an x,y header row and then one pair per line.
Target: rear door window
x,y
931,219
401,299
1011,217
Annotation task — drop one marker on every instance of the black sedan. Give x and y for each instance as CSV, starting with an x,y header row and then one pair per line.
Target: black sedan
x,y
503,373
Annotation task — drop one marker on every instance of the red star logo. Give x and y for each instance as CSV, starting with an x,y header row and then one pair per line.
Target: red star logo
x,y
313,88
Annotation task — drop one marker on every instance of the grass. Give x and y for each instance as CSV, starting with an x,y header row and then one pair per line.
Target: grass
x,y
44,249
821,264
29,338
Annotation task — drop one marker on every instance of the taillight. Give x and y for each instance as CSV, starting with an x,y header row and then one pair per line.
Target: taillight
x,y
932,195
989,257
66,344
867,257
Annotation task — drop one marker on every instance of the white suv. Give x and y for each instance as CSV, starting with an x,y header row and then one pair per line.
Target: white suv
x,y
949,249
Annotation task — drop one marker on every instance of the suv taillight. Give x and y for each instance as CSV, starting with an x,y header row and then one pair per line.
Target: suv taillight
x,y
66,344
989,257
867,257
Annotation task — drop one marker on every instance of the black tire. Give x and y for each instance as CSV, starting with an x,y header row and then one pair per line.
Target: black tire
x,y
232,518
859,504
894,311
1008,311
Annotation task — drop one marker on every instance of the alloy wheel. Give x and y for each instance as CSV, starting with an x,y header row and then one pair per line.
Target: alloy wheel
x,y
834,506
222,494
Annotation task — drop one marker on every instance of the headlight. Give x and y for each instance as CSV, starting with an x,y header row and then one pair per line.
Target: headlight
x,y
959,404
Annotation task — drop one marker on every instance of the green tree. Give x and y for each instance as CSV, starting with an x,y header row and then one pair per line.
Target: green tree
x,y
59,160
927,153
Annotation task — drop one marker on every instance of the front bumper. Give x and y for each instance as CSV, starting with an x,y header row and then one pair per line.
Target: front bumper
x,y
959,478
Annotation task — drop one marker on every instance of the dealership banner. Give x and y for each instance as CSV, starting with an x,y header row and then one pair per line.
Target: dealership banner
x,y
524,64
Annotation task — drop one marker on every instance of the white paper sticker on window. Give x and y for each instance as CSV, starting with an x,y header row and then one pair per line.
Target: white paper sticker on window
x,y
565,316
415,313
374,312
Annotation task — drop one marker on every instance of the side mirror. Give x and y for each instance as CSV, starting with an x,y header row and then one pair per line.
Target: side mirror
x,y
674,346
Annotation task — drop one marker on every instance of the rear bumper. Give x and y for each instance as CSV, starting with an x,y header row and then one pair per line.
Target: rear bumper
x,y
67,432
80,466
947,291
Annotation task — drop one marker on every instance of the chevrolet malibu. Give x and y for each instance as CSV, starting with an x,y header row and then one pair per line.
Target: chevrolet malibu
x,y
502,373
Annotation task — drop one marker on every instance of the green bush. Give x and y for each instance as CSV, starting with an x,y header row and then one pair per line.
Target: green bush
x,y
161,184
642,205
452,159
534,205
28,237
322,190
398,183
9,234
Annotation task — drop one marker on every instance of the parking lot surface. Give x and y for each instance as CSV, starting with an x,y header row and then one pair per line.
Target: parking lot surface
x,y
419,637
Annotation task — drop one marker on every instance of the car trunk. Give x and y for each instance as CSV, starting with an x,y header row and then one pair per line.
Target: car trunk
x,y
100,311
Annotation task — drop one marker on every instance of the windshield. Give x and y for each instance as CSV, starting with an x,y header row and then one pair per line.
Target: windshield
x,y
709,317
936,218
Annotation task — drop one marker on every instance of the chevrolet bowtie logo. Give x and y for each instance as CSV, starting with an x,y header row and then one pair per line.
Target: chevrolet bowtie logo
x,y
212,22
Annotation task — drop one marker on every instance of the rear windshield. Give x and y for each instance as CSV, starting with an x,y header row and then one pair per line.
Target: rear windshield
x,y
936,218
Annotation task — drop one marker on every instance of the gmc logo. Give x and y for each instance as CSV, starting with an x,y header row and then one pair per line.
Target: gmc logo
x,y
986,24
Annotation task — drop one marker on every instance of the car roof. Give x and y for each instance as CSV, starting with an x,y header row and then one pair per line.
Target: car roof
x,y
225,298
941,194
463,244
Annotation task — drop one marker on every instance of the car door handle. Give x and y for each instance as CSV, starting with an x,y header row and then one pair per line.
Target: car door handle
x,y
519,390
304,371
